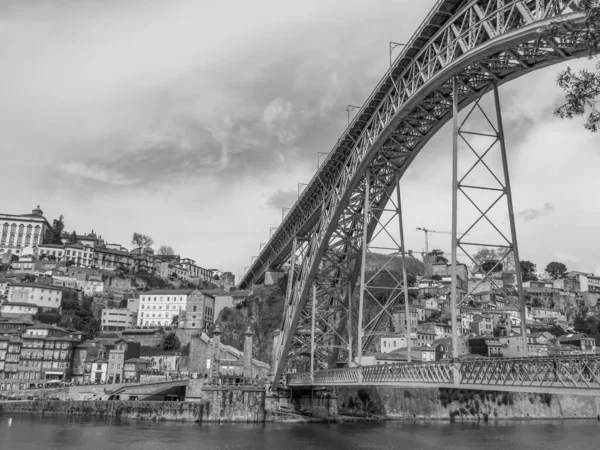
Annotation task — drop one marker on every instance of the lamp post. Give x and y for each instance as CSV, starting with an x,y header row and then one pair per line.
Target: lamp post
x,y
300,187
393,45
283,210
271,231
351,108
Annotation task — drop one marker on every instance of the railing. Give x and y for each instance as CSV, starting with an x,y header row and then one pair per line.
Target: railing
x,y
579,372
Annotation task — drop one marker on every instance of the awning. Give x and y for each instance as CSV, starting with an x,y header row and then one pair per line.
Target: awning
x,y
54,373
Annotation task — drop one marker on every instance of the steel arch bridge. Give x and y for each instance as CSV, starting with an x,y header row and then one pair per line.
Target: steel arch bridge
x,y
462,50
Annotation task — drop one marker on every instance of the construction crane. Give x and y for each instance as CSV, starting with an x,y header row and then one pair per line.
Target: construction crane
x,y
427,231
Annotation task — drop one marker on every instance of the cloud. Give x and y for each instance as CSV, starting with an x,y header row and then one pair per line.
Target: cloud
x,y
99,173
532,214
282,198
280,122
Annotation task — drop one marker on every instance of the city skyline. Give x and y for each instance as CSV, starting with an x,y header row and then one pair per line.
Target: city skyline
x,y
198,138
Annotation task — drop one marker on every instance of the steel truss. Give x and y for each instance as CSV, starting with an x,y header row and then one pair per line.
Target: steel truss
x,y
479,43
581,374
483,140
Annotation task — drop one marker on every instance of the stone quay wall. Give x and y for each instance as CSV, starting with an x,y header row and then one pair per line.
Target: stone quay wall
x,y
459,404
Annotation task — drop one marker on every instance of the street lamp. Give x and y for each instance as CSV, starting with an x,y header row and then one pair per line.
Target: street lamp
x,y
300,186
350,108
319,155
393,45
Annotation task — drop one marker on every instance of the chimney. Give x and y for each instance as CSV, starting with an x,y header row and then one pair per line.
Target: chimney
x,y
248,353
216,354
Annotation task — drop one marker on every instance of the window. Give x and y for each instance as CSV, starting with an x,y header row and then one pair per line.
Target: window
x,y
194,310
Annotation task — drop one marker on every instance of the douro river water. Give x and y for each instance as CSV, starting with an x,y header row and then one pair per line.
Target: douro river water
x,y
21,432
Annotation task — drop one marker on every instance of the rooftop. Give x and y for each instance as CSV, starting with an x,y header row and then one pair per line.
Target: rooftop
x,y
30,305
169,292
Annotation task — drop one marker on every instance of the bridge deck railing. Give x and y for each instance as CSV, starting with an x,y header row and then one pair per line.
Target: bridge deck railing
x,y
578,372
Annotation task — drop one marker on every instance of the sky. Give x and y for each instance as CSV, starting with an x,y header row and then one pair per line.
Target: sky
x,y
193,122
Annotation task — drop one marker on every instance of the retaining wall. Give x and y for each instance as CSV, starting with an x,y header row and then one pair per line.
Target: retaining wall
x,y
458,404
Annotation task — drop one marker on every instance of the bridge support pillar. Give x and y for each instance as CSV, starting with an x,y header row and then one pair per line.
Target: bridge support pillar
x,y
483,185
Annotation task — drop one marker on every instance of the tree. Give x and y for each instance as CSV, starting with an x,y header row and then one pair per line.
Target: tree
x,y
582,88
170,342
141,240
73,238
556,330
53,234
438,256
175,320
556,270
484,256
528,271
70,262
165,250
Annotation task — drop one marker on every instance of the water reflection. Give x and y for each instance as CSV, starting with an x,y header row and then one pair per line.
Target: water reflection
x,y
27,432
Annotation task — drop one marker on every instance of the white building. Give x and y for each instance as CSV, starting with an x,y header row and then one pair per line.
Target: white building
x,y
51,251
20,231
391,342
116,319
157,308
18,309
42,295
81,255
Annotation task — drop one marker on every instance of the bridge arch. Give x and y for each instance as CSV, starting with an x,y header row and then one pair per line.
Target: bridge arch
x,y
478,42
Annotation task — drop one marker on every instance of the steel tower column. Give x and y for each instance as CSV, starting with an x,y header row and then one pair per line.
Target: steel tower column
x,y
404,276
312,334
511,218
363,267
453,303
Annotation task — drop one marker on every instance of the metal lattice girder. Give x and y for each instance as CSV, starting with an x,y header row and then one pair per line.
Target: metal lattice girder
x,y
479,43
577,374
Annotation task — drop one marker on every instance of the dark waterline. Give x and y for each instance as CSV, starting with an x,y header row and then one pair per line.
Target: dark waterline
x,y
28,432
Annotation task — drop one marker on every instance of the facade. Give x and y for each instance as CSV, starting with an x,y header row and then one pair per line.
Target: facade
x,y
109,259
199,312
394,341
42,354
158,308
99,371
133,305
51,252
585,343
133,368
42,295
18,310
223,299
17,232
483,324
439,329
124,350
81,255
116,319
143,260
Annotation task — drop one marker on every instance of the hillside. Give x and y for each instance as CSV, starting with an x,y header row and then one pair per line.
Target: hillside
x,y
263,310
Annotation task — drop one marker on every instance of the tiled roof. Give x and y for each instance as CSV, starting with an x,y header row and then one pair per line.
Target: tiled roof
x,y
169,292
31,305
137,360
36,285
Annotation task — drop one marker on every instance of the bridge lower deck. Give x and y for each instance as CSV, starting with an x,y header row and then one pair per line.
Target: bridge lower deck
x,y
561,375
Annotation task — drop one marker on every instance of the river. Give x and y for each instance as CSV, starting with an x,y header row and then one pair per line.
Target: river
x,y
21,432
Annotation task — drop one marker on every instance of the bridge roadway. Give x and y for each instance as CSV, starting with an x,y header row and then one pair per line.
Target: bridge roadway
x,y
579,375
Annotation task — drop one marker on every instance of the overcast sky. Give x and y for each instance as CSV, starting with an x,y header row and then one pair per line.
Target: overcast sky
x,y
193,121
